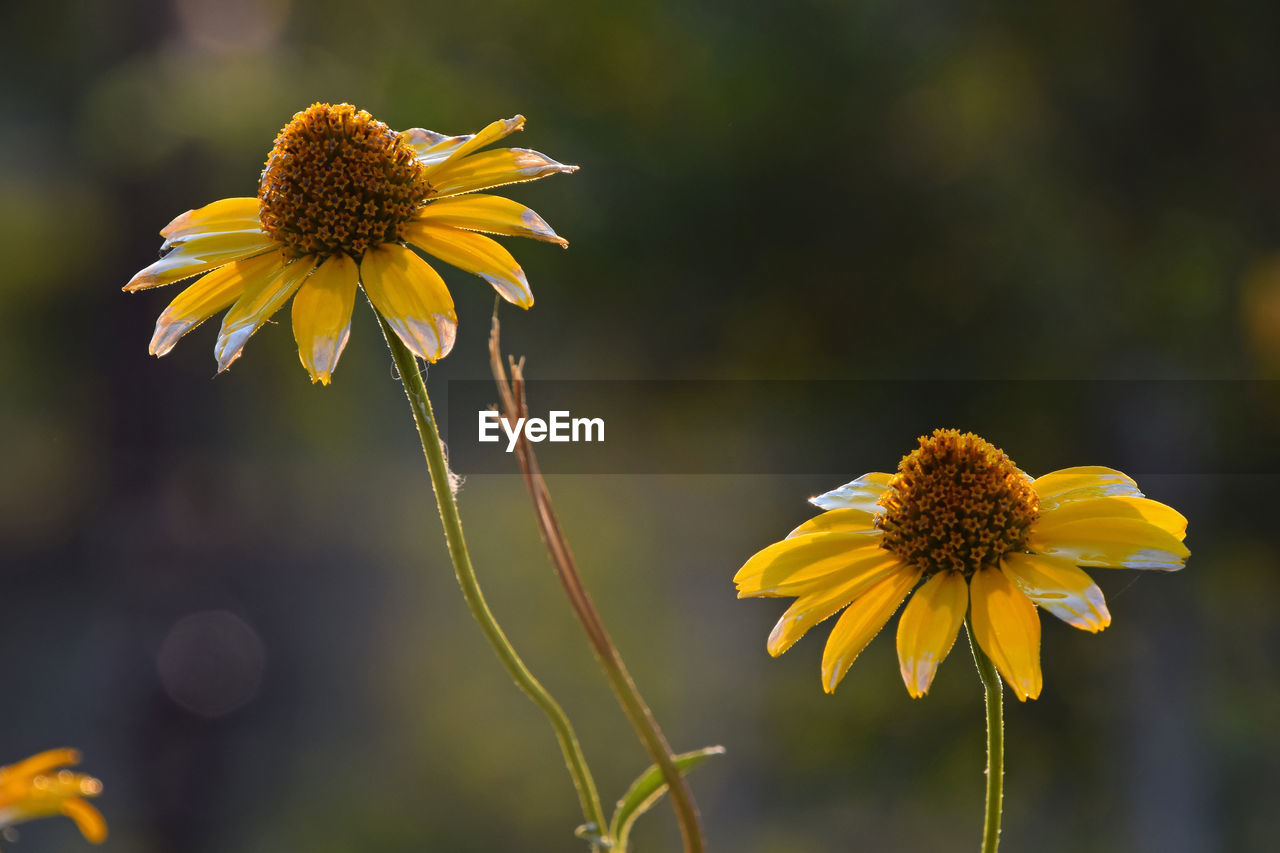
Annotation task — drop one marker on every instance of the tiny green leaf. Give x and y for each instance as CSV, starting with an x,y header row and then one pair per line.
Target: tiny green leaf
x,y
647,790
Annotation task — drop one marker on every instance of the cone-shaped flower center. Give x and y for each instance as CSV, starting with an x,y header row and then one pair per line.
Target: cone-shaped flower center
x,y
957,503
338,180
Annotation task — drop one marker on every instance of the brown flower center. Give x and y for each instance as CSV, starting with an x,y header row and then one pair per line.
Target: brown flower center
x,y
957,503
338,180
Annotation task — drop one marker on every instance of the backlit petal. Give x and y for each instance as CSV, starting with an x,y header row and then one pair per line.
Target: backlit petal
x,y
841,520
1059,587
1082,483
228,214
322,315
785,567
93,826
1113,543
433,147
41,762
474,253
825,599
210,294
862,493
493,169
255,306
928,627
491,214
201,254
865,565
1007,628
861,621
1166,518
412,298
490,134
424,140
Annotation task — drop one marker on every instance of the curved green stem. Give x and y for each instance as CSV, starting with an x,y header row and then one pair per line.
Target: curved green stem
x,y
995,742
432,447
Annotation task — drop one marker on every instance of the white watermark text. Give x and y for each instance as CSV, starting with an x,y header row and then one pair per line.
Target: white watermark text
x,y
559,426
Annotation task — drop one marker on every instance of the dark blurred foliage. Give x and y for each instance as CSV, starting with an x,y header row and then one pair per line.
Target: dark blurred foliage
x,y
796,190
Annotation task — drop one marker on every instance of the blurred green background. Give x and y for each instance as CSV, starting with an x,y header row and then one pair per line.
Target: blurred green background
x,y
233,594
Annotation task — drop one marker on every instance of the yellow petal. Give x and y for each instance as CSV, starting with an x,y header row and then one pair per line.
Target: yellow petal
x,y
838,520
474,253
201,254
93,826
861,621
424,140
790,566
928,627
862,493
1081,483
433,147
493,169
1113,543
490,134
864,566
210,294
824,600
491,214
412,298
1007,627
1166,518
39,763
255,306
228,214
1059,587
322,315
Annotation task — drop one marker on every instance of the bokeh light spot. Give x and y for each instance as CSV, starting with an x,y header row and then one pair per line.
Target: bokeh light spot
x,y
211,663
232,25
1260,312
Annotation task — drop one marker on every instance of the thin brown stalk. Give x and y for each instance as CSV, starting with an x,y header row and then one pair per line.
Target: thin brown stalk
x,y
514,406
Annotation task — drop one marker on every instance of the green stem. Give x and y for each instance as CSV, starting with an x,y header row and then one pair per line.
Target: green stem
x,y
995,742
655,744
416,390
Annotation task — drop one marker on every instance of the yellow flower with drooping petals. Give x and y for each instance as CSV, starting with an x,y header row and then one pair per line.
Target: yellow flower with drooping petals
x,y
985,539
41,786
341,199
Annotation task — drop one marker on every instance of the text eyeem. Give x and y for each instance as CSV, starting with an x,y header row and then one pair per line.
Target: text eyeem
x,y
559,426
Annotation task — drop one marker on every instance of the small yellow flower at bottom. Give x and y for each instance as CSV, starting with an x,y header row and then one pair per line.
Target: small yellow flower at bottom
x,y
984,538
41,786
340,202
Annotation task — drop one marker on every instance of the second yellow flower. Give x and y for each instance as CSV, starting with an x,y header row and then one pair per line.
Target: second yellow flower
x,y
985,539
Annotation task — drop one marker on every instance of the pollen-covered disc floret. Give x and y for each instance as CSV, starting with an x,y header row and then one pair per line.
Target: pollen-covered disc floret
x,y
338,180
956,503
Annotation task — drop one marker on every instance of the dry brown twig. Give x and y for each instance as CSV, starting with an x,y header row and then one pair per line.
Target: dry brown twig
x,y
514,406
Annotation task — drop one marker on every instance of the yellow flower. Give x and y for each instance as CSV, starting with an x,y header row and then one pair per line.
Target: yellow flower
x,y
985,539
36,788
340,197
